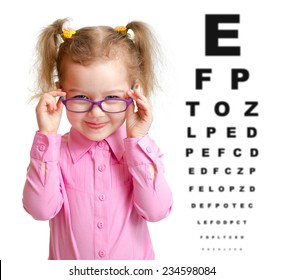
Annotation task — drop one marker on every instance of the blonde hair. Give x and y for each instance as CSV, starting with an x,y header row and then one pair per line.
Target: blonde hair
x,y
90,44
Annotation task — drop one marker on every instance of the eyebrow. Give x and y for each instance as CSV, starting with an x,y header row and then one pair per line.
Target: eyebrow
x,y
105,92
113,91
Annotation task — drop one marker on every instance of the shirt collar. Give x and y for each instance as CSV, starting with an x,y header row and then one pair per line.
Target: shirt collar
x,y
79,144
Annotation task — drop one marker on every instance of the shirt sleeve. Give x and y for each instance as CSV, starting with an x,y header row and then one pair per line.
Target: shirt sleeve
x,y
151,195
42,196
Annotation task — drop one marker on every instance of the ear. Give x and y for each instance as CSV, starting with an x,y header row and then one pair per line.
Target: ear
x,y
57,84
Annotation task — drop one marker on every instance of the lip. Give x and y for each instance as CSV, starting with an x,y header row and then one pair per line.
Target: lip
x,y
96,125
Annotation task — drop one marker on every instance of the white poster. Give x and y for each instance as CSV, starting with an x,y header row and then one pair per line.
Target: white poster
x,y
216,119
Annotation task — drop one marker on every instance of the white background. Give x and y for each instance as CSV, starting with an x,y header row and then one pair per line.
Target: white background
x,y
179,26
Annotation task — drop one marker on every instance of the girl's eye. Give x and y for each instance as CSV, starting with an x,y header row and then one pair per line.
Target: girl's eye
x,y
80,96
112,96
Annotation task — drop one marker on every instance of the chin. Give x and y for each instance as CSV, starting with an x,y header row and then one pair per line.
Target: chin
x,y
96,136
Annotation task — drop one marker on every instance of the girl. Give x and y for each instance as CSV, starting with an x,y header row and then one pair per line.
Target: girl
x,y
98,184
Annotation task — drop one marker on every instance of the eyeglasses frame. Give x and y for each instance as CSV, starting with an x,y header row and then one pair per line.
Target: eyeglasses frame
x,y
128,102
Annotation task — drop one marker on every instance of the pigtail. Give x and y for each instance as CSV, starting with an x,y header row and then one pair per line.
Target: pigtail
x,y
148,51
47,49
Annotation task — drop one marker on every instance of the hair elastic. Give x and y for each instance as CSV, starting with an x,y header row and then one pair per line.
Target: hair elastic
x,y
68,33
123,30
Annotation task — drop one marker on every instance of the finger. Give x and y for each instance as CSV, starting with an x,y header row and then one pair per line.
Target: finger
x,y
130,94
57,92
52,97
142,103
59,105
134,94
44,103
48,101
137,95
144,112
131,110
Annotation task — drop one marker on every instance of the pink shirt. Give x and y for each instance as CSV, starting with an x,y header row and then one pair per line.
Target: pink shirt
x,y
97,195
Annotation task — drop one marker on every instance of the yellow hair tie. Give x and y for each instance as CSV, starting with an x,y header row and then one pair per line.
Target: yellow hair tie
x,y
68,33
121,29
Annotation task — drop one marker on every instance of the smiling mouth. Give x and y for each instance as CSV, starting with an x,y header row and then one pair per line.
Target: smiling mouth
x,y
95,125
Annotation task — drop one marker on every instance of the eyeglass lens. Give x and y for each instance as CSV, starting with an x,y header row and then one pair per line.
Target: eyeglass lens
x,y
112,105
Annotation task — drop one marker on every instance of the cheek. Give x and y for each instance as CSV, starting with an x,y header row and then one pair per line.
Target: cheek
x,y
73,117
118,118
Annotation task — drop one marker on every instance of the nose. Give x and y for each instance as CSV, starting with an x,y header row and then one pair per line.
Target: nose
x,y
96,111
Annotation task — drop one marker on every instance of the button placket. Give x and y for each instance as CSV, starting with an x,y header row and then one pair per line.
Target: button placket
x,y
101,181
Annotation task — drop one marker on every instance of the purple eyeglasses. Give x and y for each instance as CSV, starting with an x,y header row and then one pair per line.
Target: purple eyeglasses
x,y
111,105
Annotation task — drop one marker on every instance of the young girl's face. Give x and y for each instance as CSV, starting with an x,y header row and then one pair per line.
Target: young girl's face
x,y
97,81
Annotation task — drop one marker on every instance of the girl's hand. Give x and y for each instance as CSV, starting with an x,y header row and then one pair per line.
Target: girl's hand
x,y
49,112
138,123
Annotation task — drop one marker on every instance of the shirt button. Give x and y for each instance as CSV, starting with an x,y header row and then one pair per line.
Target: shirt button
x,y
100,225
102,197
148,149
101,144
101,167
42,148
101,253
